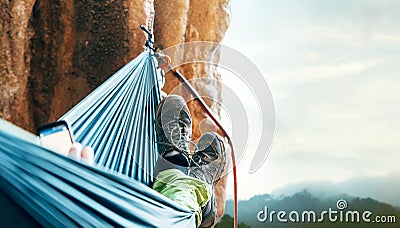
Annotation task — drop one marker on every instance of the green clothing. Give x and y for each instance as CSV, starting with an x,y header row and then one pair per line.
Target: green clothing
x,y
187,191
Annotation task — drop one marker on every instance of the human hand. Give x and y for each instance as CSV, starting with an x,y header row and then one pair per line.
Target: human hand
x,y
85,154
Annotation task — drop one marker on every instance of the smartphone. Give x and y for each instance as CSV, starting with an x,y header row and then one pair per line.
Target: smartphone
x,y
56,136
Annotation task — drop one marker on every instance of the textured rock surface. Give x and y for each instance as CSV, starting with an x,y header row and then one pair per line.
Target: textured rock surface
x,y
76,47
14,61
54,52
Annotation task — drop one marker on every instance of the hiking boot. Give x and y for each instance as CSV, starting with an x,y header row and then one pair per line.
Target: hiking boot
x,y
174,130
173,124
208,162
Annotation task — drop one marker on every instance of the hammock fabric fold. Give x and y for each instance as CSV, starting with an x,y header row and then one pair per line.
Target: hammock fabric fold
x,y
117,120
38,186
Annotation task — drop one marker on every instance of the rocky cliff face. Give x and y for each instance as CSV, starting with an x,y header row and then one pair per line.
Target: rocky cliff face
x,y
15,61
75,47
54,52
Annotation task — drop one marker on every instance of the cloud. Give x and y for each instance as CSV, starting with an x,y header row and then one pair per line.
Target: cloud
x,y
333,71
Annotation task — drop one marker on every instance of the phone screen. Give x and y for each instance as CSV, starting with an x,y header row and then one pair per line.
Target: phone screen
x,y
56,138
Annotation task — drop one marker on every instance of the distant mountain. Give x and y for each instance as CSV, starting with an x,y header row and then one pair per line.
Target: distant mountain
x,y
304,204
361,186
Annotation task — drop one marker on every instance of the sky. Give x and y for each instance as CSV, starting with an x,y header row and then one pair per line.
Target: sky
x,y
333,70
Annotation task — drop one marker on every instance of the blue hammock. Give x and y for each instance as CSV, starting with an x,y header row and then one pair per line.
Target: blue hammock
x,y
117,120
39,187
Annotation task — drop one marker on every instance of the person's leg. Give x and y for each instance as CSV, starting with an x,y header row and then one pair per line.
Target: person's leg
x,y
185,190
208,164
196,189
188,183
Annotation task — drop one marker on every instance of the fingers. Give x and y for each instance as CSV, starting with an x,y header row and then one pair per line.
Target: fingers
x,y
85,155
75,151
